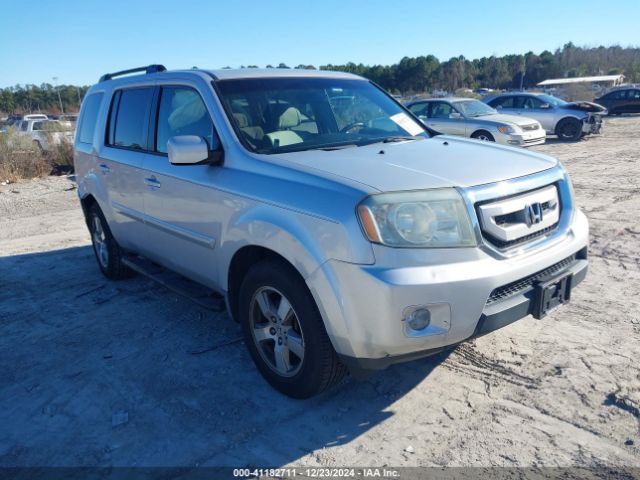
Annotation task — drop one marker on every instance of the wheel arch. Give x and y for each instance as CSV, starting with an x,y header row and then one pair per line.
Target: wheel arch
x,y
482,130
86,202
568,117
241,263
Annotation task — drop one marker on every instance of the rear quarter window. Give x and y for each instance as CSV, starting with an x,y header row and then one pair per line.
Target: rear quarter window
x,y
89,117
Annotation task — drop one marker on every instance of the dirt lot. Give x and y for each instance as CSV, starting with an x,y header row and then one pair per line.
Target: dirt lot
x,y
100,373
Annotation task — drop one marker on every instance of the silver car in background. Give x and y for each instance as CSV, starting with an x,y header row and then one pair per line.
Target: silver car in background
x,y
567,120
468,117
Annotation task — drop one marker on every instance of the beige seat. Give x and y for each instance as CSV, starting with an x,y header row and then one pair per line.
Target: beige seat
x,y
284,136
255,133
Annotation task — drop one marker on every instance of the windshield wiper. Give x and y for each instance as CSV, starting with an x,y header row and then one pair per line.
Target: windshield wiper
x,y
401,138
336,147
392,139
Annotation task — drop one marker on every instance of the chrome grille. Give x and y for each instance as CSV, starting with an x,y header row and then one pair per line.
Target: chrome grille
x,y
510,221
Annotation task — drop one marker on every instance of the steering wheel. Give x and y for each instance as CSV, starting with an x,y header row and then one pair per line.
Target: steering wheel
x,y
351,126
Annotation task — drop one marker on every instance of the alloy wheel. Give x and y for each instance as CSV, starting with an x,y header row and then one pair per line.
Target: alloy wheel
x,y
276,331
100,242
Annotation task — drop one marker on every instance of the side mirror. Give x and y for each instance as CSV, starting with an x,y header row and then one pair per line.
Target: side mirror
x,y
455,116
545,106
190,150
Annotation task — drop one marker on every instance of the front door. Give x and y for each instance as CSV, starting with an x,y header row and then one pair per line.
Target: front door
x,y
531,106
182,207
444,118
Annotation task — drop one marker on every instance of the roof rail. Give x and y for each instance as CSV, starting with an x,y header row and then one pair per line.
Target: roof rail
x,y
147,69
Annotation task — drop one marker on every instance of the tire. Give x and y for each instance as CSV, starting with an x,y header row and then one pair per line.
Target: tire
x,y
569,129
271,329
108,254
483,135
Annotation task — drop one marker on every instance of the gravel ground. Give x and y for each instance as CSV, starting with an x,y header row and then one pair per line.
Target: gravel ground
x,y
94,372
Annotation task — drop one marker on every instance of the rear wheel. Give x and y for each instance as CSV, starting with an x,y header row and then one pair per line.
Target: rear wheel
x,y
108,254
483,135
284,332
569,129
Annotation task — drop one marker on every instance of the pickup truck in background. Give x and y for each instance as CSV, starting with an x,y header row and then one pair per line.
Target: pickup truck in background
x,y
47,133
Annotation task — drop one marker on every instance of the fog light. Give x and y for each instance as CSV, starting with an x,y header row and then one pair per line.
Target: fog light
x,y
419,319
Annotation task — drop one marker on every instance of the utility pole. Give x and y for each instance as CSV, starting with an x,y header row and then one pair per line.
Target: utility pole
x,y
55,81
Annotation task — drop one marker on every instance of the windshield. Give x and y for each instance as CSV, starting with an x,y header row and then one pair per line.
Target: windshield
x,y
474,108
274,115
555,101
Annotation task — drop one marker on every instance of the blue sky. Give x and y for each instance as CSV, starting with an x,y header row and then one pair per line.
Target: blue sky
x,y
78,40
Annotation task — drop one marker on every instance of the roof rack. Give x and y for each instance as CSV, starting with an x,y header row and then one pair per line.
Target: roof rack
x,y
148,69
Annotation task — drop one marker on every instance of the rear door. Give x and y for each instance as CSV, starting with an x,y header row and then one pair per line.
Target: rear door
x,y
182,206
120,162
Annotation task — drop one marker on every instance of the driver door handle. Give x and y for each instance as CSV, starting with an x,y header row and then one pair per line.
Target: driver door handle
x,y
152,182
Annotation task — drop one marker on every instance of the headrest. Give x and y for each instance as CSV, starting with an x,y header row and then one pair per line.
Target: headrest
x,y
188,109
241,120
291,117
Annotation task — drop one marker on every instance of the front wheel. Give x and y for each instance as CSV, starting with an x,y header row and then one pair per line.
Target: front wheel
x,y
569,129
483,135
284,332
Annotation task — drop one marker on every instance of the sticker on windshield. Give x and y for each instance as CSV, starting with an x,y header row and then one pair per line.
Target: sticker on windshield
x,y
404,121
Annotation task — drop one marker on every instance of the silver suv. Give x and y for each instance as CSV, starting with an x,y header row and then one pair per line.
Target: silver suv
x,y
340,232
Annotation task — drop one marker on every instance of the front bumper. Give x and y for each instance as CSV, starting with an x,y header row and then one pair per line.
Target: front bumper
x,y
364,305
592,124
524,139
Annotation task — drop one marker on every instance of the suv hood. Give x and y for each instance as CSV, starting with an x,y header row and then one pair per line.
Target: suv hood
x,y
441,161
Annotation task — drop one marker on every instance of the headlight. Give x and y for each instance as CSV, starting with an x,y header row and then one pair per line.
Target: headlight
x,y
419,219
507,129
567,179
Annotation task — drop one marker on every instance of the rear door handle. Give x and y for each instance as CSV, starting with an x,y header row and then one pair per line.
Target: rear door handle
x,y
152,182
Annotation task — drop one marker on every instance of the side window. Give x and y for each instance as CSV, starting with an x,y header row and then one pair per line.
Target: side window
x,y
183,112
38,126
634,94
24,125
531,102
90,108
130,127
503,102
441,110
420,109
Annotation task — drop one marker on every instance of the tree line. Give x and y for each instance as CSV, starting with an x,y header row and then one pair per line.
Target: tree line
x,y
410,75
427,73
42,98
